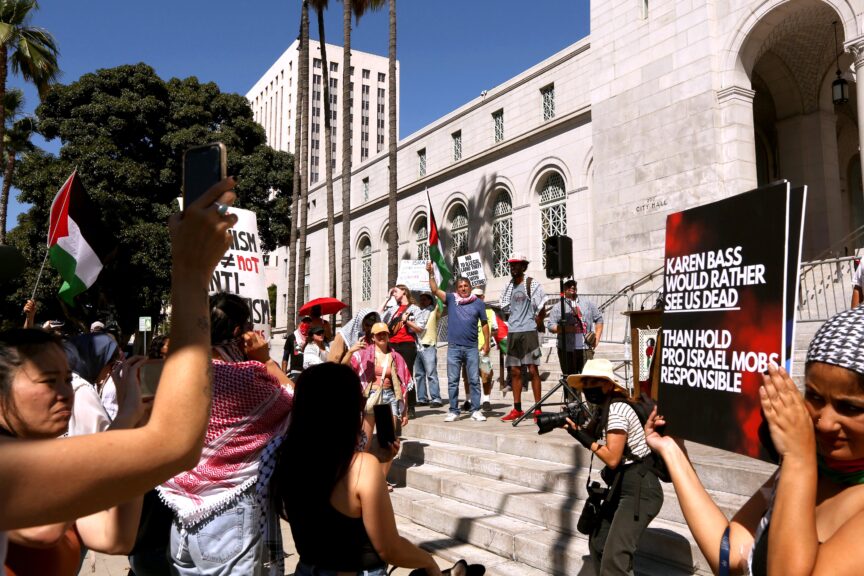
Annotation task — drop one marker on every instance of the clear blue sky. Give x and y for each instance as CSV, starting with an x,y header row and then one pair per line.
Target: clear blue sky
x,y
449,50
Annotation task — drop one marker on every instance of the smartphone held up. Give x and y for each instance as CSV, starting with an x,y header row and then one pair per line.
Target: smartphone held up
x,y
203,166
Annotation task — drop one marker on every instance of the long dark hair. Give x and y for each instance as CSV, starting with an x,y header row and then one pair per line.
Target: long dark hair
x,y
321,440
227,313
16,347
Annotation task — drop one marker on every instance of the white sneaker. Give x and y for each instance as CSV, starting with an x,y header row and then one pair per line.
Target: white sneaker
x,y
478,416
452,417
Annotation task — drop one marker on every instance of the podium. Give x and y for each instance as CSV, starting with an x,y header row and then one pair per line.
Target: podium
x,y
645,348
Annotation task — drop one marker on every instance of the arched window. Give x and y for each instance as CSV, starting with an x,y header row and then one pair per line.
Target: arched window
x,y
365,269
502,234
458,232
553,208
421,233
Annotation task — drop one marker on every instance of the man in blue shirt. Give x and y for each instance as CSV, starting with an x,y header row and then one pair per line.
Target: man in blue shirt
x,y
464,310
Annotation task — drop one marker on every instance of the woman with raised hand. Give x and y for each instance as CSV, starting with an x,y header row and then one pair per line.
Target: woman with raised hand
x,y
130,461
333,495
38,405
808,518
353,336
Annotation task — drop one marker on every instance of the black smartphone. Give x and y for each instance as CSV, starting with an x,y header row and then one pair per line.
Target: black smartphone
x,y
149,374
203,166
384,424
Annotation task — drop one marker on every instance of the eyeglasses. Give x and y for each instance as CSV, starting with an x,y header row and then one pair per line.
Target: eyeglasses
x,y
380,335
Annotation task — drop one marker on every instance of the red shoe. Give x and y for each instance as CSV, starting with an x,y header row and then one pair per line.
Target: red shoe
x,y
536,414
512,415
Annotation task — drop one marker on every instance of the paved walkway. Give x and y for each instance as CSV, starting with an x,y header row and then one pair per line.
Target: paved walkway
x,y
104,565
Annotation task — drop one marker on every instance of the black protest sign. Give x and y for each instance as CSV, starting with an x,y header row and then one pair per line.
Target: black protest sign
x,y
731,269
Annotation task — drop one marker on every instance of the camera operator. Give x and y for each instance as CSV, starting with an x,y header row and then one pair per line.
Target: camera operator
x,y
616,436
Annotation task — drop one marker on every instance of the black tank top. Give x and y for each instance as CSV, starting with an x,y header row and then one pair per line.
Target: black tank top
x,y
331,540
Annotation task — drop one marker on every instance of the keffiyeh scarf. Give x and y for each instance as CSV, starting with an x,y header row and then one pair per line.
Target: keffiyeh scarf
x,y
248,421
353,330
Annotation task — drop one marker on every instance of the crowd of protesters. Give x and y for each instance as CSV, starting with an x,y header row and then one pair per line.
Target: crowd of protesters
x,y
188,457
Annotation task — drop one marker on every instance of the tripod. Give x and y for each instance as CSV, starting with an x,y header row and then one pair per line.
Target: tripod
x,y
569,394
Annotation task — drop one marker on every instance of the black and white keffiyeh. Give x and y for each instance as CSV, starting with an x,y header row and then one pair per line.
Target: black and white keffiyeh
x,y
840,341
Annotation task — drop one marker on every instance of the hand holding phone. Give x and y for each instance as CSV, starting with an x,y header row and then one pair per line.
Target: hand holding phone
x,y
384,425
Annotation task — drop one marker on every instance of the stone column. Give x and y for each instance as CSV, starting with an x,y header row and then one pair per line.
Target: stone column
x,y
737,139
856,48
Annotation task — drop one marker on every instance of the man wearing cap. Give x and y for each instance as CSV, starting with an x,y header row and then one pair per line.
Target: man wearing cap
x,y
524,300
426,362
97,326
464,310
580,319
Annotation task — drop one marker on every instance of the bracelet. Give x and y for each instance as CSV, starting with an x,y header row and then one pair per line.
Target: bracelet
x,y
594,450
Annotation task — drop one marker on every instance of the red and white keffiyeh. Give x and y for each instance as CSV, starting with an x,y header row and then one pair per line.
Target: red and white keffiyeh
x,y
249,414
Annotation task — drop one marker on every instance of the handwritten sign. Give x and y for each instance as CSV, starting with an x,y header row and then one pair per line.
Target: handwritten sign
x,y
471,267
241,270
412,273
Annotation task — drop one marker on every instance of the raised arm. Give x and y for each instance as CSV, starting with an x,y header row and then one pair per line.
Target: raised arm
x,y
704,518
133,461
433,284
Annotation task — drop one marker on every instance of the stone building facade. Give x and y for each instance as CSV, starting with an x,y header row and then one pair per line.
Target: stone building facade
x,y
666,105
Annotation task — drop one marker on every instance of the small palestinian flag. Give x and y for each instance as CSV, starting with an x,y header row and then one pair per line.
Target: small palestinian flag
x,y
436,252
77,244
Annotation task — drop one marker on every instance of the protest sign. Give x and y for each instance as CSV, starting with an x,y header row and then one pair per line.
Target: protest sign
x,y
413,274
471,267
731,269
241,270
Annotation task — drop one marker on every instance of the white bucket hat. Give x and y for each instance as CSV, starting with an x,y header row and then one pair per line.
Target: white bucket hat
x,y
599,368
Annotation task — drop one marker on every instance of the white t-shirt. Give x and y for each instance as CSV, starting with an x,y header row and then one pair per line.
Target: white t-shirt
x,y
109,398
88,414
623,417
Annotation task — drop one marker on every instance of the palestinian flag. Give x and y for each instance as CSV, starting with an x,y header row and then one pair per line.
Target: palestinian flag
x,y
77,244
436,252
501,336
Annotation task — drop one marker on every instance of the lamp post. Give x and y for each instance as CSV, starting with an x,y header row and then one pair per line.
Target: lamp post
x,y
839,87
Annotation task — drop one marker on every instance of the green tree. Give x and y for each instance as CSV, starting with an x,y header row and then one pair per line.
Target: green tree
x,y
125,129
17,141
393,227
30,51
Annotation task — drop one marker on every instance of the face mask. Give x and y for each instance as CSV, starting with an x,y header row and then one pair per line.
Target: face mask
x,y
594,395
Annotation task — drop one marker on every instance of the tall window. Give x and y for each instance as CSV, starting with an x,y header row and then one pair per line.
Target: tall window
x,y
365,270
457,146
458,232
498,122
502,234
422,235
553,208
548,94
365,189
306,275
421,162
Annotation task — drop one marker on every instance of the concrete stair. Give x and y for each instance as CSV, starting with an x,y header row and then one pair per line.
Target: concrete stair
x,y
515,497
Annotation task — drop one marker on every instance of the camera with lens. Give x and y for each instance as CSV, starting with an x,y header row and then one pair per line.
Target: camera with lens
x,y
578,412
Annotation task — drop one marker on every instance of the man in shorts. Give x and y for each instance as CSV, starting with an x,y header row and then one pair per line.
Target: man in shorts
x,y
524,301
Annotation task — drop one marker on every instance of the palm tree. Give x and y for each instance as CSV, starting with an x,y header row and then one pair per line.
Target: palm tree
x,y
358,8
304,148
393,232
17,140
320,6
300,115
31,52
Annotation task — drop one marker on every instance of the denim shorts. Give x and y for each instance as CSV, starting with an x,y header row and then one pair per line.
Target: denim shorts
x,y
307,570
389,397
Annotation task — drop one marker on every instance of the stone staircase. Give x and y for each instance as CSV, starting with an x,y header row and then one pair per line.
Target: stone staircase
x,y
510,498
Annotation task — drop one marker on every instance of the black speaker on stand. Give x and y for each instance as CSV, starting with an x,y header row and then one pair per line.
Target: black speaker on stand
x,y
559,256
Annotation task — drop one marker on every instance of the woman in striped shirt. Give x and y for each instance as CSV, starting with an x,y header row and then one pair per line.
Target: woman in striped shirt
x,y
616,436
